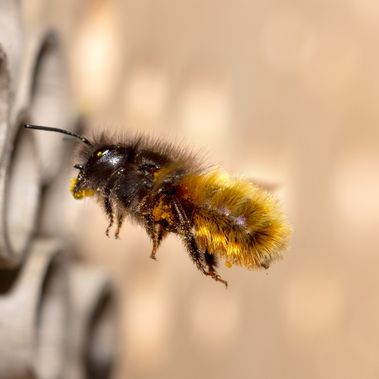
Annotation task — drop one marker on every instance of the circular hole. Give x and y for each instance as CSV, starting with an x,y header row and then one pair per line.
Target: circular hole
x,y
11,36
8,279
100,347
21,195
49,105
51,323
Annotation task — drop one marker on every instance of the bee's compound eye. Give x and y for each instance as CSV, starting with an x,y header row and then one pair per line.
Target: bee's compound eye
x,y
78,167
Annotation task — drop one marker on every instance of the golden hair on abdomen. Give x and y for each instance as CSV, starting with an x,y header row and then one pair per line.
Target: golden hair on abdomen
x,y
237,220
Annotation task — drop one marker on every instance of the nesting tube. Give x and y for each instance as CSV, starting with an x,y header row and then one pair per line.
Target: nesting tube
x,y
49,101
94,344
34,312
41,96
19,197
11,38
4,101
42,336
19,170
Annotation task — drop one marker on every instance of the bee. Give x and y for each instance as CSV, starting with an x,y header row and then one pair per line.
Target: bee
x,y
166,190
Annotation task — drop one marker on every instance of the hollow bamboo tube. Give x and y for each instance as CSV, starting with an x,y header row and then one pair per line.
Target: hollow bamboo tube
x,y
34,313
93,347
19,198
11,38
49,100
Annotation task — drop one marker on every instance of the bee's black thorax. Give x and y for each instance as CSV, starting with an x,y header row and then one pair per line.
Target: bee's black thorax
x,y
124,173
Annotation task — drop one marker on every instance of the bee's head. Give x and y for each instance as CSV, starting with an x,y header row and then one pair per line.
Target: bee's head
x,y
101,164
102,168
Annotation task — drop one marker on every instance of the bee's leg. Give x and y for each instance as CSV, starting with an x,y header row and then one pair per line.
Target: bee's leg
x,y
185,231
211,262
193,249
120,220
109,212
156,232
157,237
109,190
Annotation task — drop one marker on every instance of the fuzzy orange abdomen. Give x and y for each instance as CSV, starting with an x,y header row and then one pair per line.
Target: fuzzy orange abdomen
x,y
236,220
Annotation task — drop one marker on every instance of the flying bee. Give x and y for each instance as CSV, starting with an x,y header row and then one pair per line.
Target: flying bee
x,y
166,191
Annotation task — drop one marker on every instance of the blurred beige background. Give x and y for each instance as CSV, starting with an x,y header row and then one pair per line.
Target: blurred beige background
x,y
281,91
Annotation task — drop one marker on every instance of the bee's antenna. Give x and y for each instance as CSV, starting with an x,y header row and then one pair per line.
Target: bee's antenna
x,y
49,129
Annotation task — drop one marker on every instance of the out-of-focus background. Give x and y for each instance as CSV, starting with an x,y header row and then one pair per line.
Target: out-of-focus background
x,y
282,91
